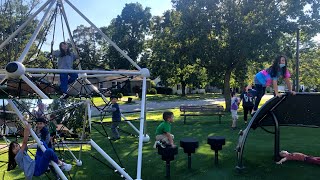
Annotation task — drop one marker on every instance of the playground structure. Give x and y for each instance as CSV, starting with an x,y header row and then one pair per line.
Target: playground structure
x,y
17,70
67,119
300,110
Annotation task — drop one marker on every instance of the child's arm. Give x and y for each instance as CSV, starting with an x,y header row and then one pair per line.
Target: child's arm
x,y
275,87
288,83
241,97
282,160
111,109
169,136
26,134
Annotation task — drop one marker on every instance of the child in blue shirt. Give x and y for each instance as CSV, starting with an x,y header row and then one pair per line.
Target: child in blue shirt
x,y
116,117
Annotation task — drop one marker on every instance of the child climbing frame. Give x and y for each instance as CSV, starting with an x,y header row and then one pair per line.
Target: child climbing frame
x,y
16,69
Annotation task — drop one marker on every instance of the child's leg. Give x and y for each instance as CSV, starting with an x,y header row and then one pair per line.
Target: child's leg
x,y
114,128
63,82
162,138
313,160
234,118
260,92
245,113
73,77
42,163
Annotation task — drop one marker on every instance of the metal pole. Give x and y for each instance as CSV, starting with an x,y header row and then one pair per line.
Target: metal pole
x,y
34,87
297,61
35,137
39,70
89,114
276,137
24,24
167,169
189,160
130,124
105,36
84,126
35,33
142,119
110,160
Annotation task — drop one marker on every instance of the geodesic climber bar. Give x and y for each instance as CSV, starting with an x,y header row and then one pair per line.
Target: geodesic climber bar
x,y
16,70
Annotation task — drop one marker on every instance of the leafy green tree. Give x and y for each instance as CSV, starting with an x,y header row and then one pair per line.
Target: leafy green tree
x,y
128,31
87,45
310,69
14,13
174,58
244,31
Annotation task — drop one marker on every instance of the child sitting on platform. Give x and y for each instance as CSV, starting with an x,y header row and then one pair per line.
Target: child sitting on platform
x,y
163,132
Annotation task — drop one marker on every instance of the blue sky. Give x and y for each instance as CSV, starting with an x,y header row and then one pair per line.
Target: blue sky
x,y
101,12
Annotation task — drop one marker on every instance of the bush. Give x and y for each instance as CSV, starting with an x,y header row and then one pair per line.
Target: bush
x,y
152,91
164,90
120,95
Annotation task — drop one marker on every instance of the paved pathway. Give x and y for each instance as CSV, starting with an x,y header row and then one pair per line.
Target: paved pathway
x,y
156,105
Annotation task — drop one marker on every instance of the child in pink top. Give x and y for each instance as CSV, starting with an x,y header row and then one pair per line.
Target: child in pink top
x,y
270,76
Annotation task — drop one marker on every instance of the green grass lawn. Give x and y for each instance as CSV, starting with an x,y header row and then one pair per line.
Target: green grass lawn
x,y
257,157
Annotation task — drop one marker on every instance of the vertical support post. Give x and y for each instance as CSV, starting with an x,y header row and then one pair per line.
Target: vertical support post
x,y
87,103
297,60
35,137
167,169
35,33
216,156
276,137
189,160
142,119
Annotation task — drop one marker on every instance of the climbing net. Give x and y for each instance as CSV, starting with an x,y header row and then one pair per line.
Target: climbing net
x,y
39,80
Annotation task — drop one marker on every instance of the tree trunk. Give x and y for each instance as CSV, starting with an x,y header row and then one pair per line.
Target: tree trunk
x,y
226,92
183,88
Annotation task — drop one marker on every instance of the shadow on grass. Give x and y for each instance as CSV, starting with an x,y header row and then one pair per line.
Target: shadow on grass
x,y
258,155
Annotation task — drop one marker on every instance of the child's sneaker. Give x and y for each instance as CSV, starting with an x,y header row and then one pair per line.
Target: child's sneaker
x,y
160,144
155,144
66,167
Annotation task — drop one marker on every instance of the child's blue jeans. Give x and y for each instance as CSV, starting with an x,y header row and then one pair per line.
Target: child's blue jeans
x,y
42,162
260,90
65,80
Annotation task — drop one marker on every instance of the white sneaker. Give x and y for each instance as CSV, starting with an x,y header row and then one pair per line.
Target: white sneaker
x,y
155,144
66,167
